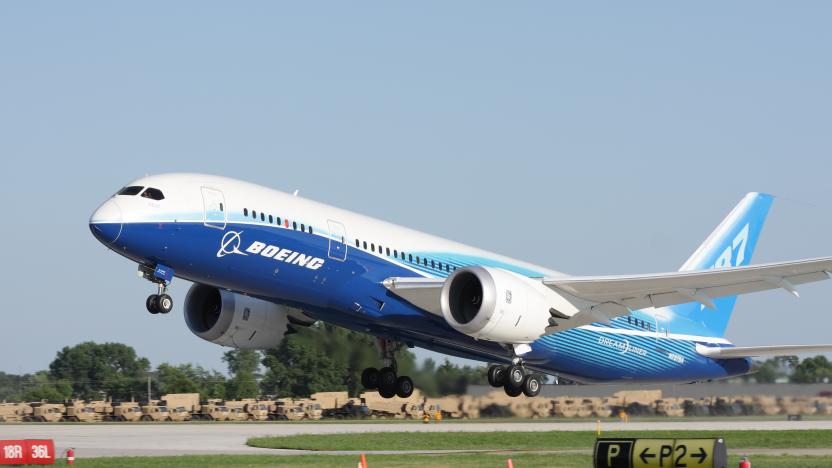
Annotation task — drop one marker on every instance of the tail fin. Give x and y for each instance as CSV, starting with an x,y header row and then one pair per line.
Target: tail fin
x,y
730,244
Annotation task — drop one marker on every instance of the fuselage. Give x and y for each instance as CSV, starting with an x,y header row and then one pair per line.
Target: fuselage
x,y
331,263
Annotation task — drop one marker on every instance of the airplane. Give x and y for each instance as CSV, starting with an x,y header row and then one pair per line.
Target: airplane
x,y
264,262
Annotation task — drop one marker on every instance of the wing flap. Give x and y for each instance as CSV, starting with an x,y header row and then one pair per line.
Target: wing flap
x,y
757,351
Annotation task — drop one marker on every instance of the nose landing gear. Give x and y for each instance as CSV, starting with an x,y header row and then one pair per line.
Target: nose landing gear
x,y
161,275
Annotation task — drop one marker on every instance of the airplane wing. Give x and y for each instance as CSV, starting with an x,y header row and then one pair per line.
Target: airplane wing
x,y
636,292
757,351
600,298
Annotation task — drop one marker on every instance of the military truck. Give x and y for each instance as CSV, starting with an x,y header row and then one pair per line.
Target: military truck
x,y
180,413
584,408
454,406
768,404
189,401
672,407
214,410
87,411
311,408
600,406
394,408
564,408
125,411
47,412
330,401
286,409
15,412
253,410
155,412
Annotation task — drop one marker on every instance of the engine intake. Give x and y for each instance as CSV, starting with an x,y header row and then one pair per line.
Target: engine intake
x,y
238,321
498,305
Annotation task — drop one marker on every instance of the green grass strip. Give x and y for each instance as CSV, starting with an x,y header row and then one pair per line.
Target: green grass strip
x,y
404,461
530,440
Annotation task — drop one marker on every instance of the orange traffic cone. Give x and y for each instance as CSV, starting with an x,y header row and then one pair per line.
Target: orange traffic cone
x,y
362,463
510,464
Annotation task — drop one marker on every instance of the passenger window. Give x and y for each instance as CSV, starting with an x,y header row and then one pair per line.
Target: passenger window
x,y
295,225
310,232
373,247
262,216
388,251
221,207
271,219
153,194
447,267
302,227
410,258
129,191
417,259
357,244
432,265
245,212
425,261
395,253
278,221
253,214
365,245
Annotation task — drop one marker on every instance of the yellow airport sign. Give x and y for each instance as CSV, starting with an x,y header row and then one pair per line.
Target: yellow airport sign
x,y
660,453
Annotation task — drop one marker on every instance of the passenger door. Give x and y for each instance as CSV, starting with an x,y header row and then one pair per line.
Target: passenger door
x,y
337,241
214,214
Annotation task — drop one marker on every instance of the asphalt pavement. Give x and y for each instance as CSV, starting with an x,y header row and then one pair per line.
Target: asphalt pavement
x,y
104,440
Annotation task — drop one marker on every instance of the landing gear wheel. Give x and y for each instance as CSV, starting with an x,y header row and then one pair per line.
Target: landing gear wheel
x,y
404,387
370,377
152,304
513,391
514,376
531,386
497,376
164,303
387,383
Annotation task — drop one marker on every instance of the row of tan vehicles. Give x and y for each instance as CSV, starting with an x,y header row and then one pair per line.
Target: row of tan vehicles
x,y
338,405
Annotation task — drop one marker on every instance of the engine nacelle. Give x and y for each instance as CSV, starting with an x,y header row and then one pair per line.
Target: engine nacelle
x,y
498,305
238,321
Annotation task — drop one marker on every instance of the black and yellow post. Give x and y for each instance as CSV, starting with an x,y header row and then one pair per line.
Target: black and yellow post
x,y
660,453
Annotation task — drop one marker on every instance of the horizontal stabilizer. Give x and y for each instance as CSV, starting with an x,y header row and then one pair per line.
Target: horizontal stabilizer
x,y
757,351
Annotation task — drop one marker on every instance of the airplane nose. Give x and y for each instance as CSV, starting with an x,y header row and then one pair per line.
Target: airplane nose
x,y
106,222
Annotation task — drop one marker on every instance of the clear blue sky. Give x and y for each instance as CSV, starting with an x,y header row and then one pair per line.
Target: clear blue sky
x,y
591,138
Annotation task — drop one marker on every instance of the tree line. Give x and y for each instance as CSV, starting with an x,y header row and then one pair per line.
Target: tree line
x,y
319,358
314,359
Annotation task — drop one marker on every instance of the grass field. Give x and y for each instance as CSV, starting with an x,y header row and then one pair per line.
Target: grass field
x,y
531,440
402,461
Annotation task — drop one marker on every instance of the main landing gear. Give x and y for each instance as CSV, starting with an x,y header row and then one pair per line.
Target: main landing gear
x,y
161,302
386,380
514,379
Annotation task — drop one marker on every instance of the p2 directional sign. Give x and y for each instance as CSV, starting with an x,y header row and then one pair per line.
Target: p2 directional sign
x,y
660,453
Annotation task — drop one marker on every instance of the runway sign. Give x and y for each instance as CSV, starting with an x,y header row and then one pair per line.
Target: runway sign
x,y
27,452
660,453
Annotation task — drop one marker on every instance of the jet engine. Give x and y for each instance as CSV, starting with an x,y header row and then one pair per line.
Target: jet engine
x,y
238,321
498,305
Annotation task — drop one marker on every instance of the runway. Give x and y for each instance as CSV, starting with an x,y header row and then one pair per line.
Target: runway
x,y
102,440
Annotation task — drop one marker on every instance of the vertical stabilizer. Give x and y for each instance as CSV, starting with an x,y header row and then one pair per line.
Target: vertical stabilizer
x,y
731,244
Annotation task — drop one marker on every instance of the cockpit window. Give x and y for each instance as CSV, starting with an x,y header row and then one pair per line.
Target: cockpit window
x,y
131,190
153,194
